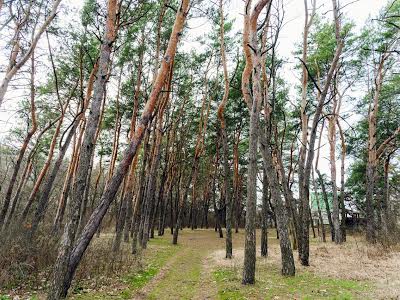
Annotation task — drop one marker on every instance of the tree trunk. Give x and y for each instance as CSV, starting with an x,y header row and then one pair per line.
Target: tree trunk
x,y
46,165
224,141
264,217
253,64
65,268
62,276
372,156
15,65
24,146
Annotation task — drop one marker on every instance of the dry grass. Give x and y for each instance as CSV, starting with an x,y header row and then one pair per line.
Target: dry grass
x,y
357,260
25,266
354,260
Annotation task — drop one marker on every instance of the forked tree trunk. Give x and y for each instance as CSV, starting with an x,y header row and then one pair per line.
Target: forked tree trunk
x,y
303,227
253,65
304,185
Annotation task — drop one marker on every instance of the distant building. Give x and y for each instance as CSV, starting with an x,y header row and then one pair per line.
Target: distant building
x,y
354,215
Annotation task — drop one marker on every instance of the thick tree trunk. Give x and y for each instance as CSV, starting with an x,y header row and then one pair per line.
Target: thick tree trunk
x,y
65,268
253,65
60,280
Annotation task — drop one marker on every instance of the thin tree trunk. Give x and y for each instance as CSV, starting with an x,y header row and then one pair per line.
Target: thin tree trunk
x,y
321,220
264,217
25,143
342,172
46,165
224,141
15,65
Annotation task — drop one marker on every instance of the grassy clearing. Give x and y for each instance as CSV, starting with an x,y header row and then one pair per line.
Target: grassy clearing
x,y
271,285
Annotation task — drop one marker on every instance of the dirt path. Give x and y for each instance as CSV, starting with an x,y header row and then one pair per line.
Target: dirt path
x,y
146,290
188,274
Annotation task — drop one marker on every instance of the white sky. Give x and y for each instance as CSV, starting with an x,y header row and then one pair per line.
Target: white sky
x,y
358,11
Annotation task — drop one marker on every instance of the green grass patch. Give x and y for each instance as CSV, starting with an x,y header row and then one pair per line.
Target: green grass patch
x,y
160,250
270,285
227,291
182,279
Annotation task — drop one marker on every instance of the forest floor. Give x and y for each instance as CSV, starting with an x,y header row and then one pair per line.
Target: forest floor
x,y
197,269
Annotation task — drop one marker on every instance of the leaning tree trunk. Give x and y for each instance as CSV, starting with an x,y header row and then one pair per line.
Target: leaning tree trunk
x,y
45,195
15,65
60,280
27,171
46,165
65,268
288,267
153,173
25,143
